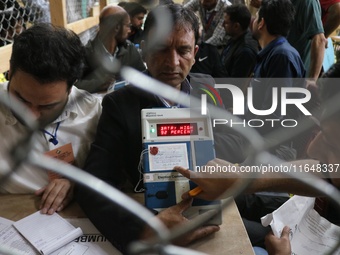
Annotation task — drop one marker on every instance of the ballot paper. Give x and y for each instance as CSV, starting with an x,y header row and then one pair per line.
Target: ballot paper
x,y
310,233
47,233
91,242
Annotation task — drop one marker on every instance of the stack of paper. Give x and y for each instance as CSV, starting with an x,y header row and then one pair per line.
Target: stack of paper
x,y
89,243
47,233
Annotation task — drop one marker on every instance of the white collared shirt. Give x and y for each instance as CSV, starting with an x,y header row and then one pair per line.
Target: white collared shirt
x,y
78,124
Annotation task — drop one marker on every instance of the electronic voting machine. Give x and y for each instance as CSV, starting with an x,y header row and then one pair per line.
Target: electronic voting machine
x,y
175,137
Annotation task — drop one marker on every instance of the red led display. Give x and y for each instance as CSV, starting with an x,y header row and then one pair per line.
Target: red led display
x,y
177,129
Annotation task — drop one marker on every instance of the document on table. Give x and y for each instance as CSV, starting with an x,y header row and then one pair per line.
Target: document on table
x,y
91,242
47,233
310,233
92,239
12,242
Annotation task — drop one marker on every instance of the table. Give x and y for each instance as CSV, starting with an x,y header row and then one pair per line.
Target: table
x,y
231,239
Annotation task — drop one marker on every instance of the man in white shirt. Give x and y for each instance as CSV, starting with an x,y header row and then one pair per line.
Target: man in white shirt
x,y
46,61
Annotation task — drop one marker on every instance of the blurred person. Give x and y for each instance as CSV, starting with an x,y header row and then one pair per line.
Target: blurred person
x,y
13,23
211,17
307,36
323,151
137,14
45,63
115,154
207,61
330,11
239,55
278,65
108,51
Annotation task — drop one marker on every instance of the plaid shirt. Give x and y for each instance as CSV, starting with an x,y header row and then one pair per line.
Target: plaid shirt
x,y
214,33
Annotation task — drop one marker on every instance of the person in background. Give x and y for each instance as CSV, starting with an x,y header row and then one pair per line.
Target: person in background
x,y
307,36
207,61
330,10
211,17
324,150
270,28
45,63
108,51
137,14
239,55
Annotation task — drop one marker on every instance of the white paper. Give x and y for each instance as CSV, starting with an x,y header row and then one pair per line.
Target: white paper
x,y
90,243
92,239
47,233
164,157
12,241
289,214
310,233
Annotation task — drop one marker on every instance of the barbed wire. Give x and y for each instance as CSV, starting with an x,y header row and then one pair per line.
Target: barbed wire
x,y
26,13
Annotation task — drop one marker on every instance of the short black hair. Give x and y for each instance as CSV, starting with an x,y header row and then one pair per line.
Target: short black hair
x,y
132,8
278,15
180,16
48,53
239,13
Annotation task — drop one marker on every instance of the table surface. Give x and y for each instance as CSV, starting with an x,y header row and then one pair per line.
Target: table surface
x,y
231,239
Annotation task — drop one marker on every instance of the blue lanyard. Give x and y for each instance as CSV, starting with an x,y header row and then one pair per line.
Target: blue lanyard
x,y
53,138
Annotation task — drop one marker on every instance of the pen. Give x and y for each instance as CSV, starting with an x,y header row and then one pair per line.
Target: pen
x,y
194,192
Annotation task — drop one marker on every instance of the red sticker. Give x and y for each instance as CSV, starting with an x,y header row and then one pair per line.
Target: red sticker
x,y
153,150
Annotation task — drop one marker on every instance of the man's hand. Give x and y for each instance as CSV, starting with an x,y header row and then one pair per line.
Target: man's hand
x,y
278,246
212,184
172,217
56,195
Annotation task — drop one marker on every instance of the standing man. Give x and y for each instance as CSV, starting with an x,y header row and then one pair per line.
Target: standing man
x,y
211,17
277,59
108,51
278,66
46,61
307,36
239,55
115,154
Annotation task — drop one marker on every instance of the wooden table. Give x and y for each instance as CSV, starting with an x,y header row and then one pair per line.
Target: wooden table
x,y
231,239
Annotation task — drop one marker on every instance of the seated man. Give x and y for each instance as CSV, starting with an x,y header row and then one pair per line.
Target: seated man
x,y
46,61
115,154
108,50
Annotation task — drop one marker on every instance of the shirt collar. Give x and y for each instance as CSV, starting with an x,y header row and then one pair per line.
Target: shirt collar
x,y
70,110
272,45
185,87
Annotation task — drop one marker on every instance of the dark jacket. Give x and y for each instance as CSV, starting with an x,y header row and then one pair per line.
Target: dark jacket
x,y
101,67
238,59
207,61
239,56
114,158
